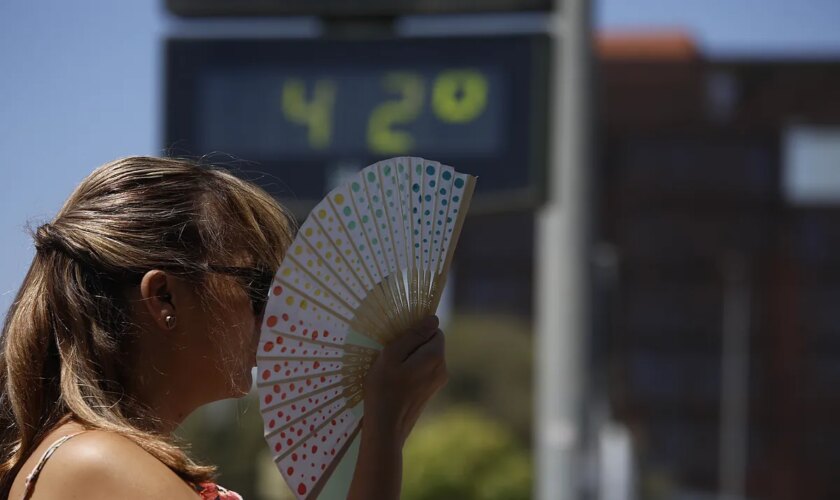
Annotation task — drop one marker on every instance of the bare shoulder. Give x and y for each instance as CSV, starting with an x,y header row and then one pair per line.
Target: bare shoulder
x,y
104,465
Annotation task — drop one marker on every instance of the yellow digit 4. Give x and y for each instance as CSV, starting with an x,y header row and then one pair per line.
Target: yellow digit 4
x,y
459,96
382,137
315,114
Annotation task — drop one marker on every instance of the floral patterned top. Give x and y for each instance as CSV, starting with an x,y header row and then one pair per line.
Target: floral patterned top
x,y
207,490
212,491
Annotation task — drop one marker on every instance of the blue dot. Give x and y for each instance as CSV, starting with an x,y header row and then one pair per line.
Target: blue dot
x,y
430,170
428,197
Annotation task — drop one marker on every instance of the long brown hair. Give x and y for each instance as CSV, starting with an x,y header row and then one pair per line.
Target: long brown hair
x,y
63,347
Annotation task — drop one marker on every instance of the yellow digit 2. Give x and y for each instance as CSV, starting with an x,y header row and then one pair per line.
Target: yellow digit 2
x,y
459,96
315,114
382,138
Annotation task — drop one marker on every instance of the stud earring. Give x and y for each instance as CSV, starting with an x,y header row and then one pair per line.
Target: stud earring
x,y
170,321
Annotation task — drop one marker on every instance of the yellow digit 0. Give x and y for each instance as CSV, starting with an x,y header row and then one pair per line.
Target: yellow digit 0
x,y
315,114
459,96
381,135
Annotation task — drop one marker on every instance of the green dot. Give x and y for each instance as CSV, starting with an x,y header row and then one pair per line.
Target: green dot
x,y
361,248
374,241
430,170
419,170
375,199
365,219
356,187
389,192
347,211
459,183
387,170
352,225
379,212
447,175
400,168
371,177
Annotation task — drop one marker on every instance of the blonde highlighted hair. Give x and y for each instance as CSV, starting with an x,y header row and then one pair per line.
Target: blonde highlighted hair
x,y
63,347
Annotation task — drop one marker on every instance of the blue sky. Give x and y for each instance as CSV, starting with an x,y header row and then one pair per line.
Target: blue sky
x,y
80,84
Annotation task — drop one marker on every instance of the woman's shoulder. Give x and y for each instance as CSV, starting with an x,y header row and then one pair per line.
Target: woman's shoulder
x,y
99,464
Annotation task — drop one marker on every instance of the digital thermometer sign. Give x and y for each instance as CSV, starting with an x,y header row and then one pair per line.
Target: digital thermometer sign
x,y
303,107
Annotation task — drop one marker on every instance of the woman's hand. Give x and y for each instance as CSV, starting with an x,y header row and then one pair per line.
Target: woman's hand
x,y
405,375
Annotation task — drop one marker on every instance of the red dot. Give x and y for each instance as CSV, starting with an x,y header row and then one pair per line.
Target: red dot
x,y
317,364
285,317
292,386
271,424
314,448
266,374
278,290
294,457
268,398
268,346
289,441
314,479
292,328
302,489
271,321
315,335
290,471
279,340
278,447
326,333
277,367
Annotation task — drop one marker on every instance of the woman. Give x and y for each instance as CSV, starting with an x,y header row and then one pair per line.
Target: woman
x,y
143,302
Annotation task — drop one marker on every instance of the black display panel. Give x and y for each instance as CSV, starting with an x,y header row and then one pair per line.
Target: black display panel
x,y
349,8
309,110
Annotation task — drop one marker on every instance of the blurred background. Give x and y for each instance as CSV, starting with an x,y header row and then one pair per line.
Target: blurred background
x,y
645,302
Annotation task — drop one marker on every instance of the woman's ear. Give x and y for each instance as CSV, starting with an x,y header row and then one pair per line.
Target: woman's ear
x,y
157,292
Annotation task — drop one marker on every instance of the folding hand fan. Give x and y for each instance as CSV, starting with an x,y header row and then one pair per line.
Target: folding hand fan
x,y
368,263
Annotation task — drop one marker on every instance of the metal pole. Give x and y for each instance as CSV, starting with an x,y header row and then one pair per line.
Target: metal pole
x,y
734,391
562,281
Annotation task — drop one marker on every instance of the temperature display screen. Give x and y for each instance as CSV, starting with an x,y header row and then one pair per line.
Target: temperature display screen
x,y
302,107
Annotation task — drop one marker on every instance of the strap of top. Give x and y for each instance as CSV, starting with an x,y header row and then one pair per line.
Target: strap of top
x,y
31,478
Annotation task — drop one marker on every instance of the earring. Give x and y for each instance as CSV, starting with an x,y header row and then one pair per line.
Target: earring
x,y
170,321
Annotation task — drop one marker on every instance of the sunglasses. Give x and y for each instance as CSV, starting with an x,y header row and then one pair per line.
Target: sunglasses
x,y
257,282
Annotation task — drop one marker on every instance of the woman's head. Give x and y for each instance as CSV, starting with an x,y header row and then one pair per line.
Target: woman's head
x,y
151,273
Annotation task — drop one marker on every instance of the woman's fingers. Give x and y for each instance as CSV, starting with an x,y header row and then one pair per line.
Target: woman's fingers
x,y
402,347
427,355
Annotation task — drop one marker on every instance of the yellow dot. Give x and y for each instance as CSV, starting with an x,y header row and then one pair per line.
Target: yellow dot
x,y
287,271
347,252
331,219
326,278
317,293
303,305
307,286
290,300
309,263
339,198
319,245
320,262
337,260
338,242
308,231
329,255
322,213
298,250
